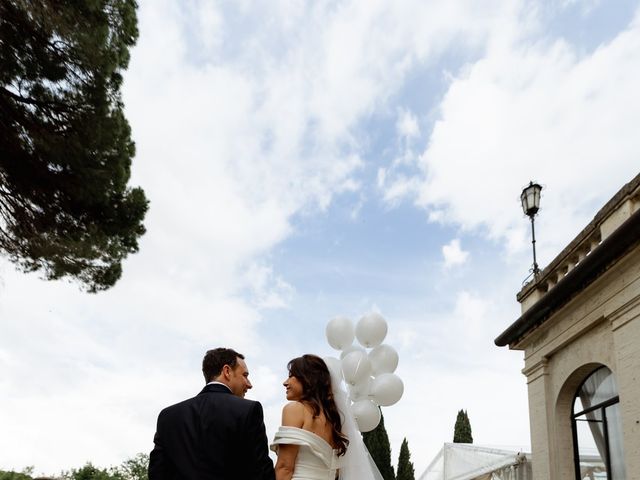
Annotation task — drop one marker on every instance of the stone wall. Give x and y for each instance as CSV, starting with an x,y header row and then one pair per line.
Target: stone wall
x,y
599,326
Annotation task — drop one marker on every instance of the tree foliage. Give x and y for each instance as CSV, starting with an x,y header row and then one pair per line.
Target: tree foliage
x,y
89,472
65,144
24,475
462,428
134,468
405,465
377,442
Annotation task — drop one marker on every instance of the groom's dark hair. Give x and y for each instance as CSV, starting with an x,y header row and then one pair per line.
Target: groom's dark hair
x,y
217,358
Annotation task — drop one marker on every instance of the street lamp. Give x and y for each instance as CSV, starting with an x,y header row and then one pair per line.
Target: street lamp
x,y
530,198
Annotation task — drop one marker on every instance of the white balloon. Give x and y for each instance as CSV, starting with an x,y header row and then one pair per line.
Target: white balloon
x,y
371,330
351,348
339,332
384,359
335,368
361,390
387,389
355,367
367,415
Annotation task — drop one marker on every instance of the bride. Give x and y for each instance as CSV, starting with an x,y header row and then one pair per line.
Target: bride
x,y
318,439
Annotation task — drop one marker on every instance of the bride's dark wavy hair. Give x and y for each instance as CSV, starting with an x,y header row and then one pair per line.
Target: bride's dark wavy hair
x,y
313,374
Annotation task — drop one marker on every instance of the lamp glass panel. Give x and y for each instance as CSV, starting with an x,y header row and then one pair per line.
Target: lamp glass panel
x,y
536,197
523,201
531,198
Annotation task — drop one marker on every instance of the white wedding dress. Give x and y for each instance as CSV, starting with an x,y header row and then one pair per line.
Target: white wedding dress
x,y
316,459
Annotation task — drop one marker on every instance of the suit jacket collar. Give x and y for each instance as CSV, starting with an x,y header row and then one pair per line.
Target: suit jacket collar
x,y
215,388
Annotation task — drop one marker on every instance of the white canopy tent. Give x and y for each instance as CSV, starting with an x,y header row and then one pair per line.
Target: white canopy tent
x,y
465,461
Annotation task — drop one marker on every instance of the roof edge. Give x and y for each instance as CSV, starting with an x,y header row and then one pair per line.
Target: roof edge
x,y
588,230
611,249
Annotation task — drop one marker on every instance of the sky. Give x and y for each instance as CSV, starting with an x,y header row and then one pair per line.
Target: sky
x,y
307,160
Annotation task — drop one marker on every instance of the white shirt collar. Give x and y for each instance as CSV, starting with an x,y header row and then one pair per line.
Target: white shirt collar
x,y
219,383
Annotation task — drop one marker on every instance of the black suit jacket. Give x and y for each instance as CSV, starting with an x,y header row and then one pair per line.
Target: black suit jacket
x,y
214,436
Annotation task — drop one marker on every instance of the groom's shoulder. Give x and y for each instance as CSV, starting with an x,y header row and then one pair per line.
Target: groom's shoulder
x,y
243,406
243,403
178,406
219,398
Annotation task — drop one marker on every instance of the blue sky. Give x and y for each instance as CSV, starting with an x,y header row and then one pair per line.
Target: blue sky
x,y
312,159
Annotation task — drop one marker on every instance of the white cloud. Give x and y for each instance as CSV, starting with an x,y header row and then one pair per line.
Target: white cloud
x,y
448,362
245,120
453,254
401,186
407,124
537,110
586,6
269,291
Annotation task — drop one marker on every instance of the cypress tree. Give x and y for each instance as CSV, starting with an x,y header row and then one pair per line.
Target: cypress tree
x,y
462,429
377,441
405,466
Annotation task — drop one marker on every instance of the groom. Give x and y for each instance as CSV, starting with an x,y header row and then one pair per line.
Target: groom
x,y
216,435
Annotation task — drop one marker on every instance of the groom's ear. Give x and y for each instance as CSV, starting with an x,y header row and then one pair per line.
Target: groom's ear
x,y
226,371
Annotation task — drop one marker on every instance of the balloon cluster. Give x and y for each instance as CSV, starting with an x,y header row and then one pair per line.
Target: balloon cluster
x,y
368,374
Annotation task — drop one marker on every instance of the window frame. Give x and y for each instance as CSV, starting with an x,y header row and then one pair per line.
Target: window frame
x,y
574,424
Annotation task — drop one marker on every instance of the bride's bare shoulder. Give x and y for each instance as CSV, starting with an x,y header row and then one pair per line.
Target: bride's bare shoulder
x,y
293,407
293,414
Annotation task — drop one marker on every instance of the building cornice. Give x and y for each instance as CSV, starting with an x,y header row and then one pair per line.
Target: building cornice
x,y
566,276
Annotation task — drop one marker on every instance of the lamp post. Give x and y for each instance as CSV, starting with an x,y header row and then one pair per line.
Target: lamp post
x,y
530,198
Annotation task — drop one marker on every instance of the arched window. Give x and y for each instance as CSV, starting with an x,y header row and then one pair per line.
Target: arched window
x,y
597,428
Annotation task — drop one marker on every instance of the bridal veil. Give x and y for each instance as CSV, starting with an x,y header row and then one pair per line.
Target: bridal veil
x,y
357,462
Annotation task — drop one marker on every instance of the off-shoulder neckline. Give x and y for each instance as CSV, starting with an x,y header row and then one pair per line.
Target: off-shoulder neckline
x,y
310,433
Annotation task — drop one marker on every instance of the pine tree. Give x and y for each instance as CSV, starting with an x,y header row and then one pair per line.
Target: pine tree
x,y
65,144
462,429
405,466
377,441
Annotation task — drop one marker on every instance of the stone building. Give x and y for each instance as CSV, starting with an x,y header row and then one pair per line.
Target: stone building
x,y
580,333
